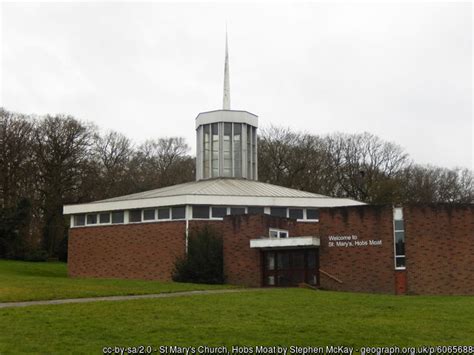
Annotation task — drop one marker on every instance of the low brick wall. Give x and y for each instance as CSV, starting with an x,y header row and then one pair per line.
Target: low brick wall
x,y
133,251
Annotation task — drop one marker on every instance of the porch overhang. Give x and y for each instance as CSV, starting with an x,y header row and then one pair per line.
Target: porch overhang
x,y
295,242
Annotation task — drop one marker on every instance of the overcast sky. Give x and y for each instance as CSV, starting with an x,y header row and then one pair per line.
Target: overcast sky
x,y
401,71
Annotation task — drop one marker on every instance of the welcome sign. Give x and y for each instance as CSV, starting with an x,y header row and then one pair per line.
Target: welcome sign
x,y
350,241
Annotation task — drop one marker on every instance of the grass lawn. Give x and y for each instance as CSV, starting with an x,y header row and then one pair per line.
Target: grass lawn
x,y
275,317
27,281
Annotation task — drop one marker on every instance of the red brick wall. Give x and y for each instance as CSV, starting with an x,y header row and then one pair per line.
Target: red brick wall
x,y
439,249
400,282
133,251
360,268
242,265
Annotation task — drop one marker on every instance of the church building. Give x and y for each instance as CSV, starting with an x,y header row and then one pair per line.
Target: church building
x,y
272,235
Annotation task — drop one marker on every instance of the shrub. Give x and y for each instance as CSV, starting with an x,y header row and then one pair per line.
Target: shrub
x,y
62,249
36,255
204,262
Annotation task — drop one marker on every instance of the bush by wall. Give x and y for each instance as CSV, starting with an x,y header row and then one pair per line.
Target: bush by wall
x,y
204,262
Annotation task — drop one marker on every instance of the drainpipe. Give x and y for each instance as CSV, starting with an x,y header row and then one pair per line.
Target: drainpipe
x,y
188,217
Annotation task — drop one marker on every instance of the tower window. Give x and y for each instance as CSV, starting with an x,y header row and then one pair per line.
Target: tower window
x,y
215,149
249,152
206,150
237,149
227,145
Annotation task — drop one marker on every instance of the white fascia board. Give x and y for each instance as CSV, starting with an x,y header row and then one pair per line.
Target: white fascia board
x,y
226,116
295,242
209,200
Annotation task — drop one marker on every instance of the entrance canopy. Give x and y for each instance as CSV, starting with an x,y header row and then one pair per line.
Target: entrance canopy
x,y
295,242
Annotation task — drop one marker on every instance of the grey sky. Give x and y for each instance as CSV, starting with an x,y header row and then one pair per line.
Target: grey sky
x,y
401,71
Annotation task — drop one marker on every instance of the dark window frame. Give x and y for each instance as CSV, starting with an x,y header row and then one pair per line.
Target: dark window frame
x,y
118,213
135,216
316,211
144,219
300,215
220,216
176,212
163,209
201,212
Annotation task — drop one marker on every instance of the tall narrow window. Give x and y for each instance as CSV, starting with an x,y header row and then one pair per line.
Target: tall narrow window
x,y
254,153
237,149
399,238
227,145
215,149
249,152
206,150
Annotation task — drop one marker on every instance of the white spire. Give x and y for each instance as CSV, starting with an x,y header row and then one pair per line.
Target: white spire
x,y
226,100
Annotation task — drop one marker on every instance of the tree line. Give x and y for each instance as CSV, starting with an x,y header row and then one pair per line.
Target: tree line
x,y
359,166
49,161
52,160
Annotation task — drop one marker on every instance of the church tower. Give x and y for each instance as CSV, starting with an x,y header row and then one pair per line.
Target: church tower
x,y
226,140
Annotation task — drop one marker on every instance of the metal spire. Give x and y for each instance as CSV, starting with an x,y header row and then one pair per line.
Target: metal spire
x,y
226,100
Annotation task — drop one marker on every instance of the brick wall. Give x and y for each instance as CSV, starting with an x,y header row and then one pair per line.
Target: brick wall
x,y
439,249
137,251
360,268
242,265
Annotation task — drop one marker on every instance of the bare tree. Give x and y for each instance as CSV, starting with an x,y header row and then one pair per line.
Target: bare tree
x,y
365,166
163,162
112,155
62,149
431,184
16,178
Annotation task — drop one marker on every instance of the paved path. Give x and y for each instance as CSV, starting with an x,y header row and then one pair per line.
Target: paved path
x,y
125,298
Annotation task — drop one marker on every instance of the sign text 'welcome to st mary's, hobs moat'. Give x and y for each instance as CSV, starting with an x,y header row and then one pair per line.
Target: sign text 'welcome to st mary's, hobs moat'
x,y
350,241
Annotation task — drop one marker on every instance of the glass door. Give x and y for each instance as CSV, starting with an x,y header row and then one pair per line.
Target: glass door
x,y
290,267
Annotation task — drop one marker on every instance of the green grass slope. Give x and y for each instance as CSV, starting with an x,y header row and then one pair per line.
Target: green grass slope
x,y
275,317
27,281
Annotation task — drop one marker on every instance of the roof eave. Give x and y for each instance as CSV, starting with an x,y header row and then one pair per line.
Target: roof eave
x,y
215,200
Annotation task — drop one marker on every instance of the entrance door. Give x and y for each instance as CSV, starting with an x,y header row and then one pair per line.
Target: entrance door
x,y
290,267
